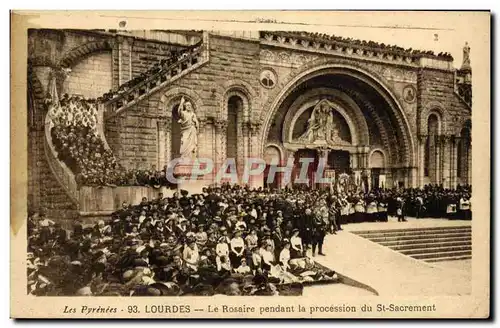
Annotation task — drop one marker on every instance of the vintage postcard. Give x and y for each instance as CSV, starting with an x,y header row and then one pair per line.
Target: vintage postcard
x,y
313,164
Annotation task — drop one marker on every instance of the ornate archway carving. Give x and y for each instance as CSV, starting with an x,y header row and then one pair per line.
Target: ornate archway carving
x,y
317,68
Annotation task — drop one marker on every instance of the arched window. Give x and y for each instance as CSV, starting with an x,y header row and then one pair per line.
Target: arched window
x,y
234,113
430,160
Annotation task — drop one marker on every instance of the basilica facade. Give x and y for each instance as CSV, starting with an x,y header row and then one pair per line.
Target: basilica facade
x,y
390,116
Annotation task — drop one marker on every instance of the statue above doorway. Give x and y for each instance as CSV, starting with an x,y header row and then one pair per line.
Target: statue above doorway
x,y
321,128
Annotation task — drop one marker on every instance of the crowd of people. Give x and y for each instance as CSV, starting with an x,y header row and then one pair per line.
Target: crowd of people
x,y
229,240
81,148
432,201
373,44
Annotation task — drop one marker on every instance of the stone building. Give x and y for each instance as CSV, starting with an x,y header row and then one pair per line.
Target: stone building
x,y
400,117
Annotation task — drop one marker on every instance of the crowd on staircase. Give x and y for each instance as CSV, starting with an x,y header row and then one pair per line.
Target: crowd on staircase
x,y
78,144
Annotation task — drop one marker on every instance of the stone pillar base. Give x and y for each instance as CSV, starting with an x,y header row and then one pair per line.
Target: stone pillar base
x,y
183,173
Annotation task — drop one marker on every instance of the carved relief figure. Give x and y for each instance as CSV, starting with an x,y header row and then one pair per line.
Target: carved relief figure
x,y
189,129
321,126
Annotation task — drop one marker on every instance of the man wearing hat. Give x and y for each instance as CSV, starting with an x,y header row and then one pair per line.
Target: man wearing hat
x,y
318,236
306,228
400,209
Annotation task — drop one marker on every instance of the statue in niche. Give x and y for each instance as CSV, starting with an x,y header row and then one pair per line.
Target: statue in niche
x,y
320,126
189,129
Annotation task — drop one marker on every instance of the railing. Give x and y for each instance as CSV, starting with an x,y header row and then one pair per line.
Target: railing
x,y
187,63
309,42
61,171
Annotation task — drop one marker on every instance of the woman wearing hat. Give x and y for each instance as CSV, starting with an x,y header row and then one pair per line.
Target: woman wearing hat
x,y
285,255
243,269
223,234
296,249
221,250
201,236
267,258
256,260
191,254
237,248
252,240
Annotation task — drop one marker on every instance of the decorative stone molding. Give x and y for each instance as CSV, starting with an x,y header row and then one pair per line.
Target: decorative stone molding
x,y
286,58
173,95
282,39
80,52
220,126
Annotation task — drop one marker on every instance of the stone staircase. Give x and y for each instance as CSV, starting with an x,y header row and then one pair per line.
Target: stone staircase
x,y
426,244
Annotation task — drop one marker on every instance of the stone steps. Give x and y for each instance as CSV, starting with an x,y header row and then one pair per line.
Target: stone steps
x,y
447,236
410,230
440,255
435,243
427,244
450,258
437,249
413,232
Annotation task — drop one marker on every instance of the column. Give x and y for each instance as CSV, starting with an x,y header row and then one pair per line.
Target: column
x,y
168,139
253,151
438,160
220,144
469,161
243,155
160,151
446,162
122,60
455,160
322,157
421,160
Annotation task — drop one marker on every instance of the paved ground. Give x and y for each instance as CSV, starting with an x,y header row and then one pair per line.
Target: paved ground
x,y
462,265
389,272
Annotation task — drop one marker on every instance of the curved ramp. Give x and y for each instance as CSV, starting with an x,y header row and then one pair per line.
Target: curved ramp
x,y
388,272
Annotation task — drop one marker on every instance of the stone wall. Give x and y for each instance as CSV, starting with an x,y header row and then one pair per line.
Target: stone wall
x,y
234,64
91,77
436,94
44,191
93,60
140,137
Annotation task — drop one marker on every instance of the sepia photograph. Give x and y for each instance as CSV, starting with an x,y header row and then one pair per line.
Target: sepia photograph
x,y
267,161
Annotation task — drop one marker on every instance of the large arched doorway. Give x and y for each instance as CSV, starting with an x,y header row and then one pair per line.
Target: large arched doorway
x,y
365,115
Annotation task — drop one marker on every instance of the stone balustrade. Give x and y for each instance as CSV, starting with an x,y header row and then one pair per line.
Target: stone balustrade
x,y
186,63
61,171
